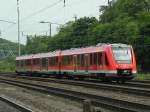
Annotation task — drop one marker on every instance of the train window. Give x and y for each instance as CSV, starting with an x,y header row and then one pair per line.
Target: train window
x,y
99,58
68,57
25,62
95,58
67,60
50,61
17,63
82,59
36,61
63,60
106,60
71,60
22,63
78,60
28,62
56,60
44,62
53,61
122,55
91,58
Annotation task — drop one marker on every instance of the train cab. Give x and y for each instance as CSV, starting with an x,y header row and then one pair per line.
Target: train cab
x,y
124,60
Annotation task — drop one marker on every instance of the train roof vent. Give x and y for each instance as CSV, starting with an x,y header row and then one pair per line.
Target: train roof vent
x,y
74,48
120,45
102,44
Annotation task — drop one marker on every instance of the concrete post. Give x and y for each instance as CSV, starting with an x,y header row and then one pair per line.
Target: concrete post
x,y
87,107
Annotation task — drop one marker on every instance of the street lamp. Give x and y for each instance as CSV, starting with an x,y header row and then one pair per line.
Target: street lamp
x,y
108,2
18,11
50,27
146,5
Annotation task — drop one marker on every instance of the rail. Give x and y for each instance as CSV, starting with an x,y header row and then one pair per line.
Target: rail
x,y
15,105
97,100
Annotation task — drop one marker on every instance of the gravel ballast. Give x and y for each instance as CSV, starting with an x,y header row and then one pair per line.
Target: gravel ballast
x,y
107,93
37,101
4,107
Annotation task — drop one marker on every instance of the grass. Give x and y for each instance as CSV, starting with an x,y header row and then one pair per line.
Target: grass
x,y
7,65
142,77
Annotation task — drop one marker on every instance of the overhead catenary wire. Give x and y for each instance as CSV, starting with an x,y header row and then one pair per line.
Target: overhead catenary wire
x,y
64,3
11,22
35,13
74,3
41,10
8,21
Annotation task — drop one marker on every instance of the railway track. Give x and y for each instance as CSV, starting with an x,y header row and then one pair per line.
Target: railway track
x,y
143,90
144,81
110,103
133,83
143,84
138,84
15,105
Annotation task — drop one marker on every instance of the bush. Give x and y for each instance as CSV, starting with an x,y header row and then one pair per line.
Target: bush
x,y
7,65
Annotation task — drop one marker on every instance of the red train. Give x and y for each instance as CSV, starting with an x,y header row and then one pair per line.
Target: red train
x,y
104,61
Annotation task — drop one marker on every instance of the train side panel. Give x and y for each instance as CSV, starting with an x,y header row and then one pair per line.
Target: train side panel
x,y
95,62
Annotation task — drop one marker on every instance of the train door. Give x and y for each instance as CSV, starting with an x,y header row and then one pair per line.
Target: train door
x,y
75,63
31,67
100,62
44,64
86,63
22,65
95,61
105,62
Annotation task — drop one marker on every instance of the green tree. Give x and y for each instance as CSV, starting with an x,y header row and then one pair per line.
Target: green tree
x,y
124,21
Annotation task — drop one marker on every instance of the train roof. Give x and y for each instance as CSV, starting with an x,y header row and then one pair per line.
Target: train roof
x,y
72,51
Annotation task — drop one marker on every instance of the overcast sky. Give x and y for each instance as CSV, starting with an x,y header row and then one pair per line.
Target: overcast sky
x,y
55,13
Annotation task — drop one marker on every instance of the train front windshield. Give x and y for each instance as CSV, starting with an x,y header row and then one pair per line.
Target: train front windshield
x,y
122,55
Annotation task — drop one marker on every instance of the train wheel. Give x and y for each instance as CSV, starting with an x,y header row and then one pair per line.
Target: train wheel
x,y
70,77
122,81
117,80
105,80
59,77
81,77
